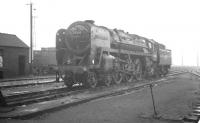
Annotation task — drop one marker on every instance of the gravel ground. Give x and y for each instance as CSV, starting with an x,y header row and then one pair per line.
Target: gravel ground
x,y
173,101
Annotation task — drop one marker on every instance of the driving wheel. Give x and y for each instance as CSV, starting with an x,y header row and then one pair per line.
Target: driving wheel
x,y
68,79
138,69
117,77
108,80
91,79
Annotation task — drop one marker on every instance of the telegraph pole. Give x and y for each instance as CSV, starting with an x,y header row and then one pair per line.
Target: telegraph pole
x,y
182,60
31,38
197,59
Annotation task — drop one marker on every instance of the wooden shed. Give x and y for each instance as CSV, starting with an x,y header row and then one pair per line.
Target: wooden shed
x,y
14,56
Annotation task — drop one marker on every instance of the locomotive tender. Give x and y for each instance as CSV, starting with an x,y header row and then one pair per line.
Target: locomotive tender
x,y
91,55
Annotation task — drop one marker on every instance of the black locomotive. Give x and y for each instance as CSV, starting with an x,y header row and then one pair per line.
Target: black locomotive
x,y
91,55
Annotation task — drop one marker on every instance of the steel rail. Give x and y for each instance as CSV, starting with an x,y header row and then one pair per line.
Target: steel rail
x,y
50,94
110,91
26,83
28,78
34,81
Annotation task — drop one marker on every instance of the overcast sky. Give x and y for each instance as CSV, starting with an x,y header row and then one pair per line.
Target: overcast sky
x,y
175,23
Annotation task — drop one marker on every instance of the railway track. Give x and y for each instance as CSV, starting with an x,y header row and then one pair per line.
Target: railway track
x,y
29,97
26,82
31,104
194,116
10,83
27,78
33,97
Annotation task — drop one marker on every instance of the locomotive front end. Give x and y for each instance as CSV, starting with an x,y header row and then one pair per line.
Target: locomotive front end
x,y
73,44
78,38
74,51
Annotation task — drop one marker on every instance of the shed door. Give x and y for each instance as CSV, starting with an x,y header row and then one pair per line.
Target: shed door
x,y
21,65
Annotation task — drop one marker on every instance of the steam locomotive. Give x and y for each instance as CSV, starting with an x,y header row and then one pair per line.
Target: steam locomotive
x,y
92,55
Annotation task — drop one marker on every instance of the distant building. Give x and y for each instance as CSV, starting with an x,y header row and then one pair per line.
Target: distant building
x,y
44,57
44,60
14,56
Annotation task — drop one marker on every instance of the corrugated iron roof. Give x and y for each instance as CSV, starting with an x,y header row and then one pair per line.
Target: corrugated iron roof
x,y
11,40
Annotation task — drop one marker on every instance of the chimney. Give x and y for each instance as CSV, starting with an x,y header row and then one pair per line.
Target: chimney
x,y
90,21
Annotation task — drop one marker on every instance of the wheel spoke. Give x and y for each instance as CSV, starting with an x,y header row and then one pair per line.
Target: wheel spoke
x,y
129,78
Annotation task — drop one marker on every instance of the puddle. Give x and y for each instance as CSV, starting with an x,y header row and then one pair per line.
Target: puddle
x,y
18,92
43,102
31,110
23,106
